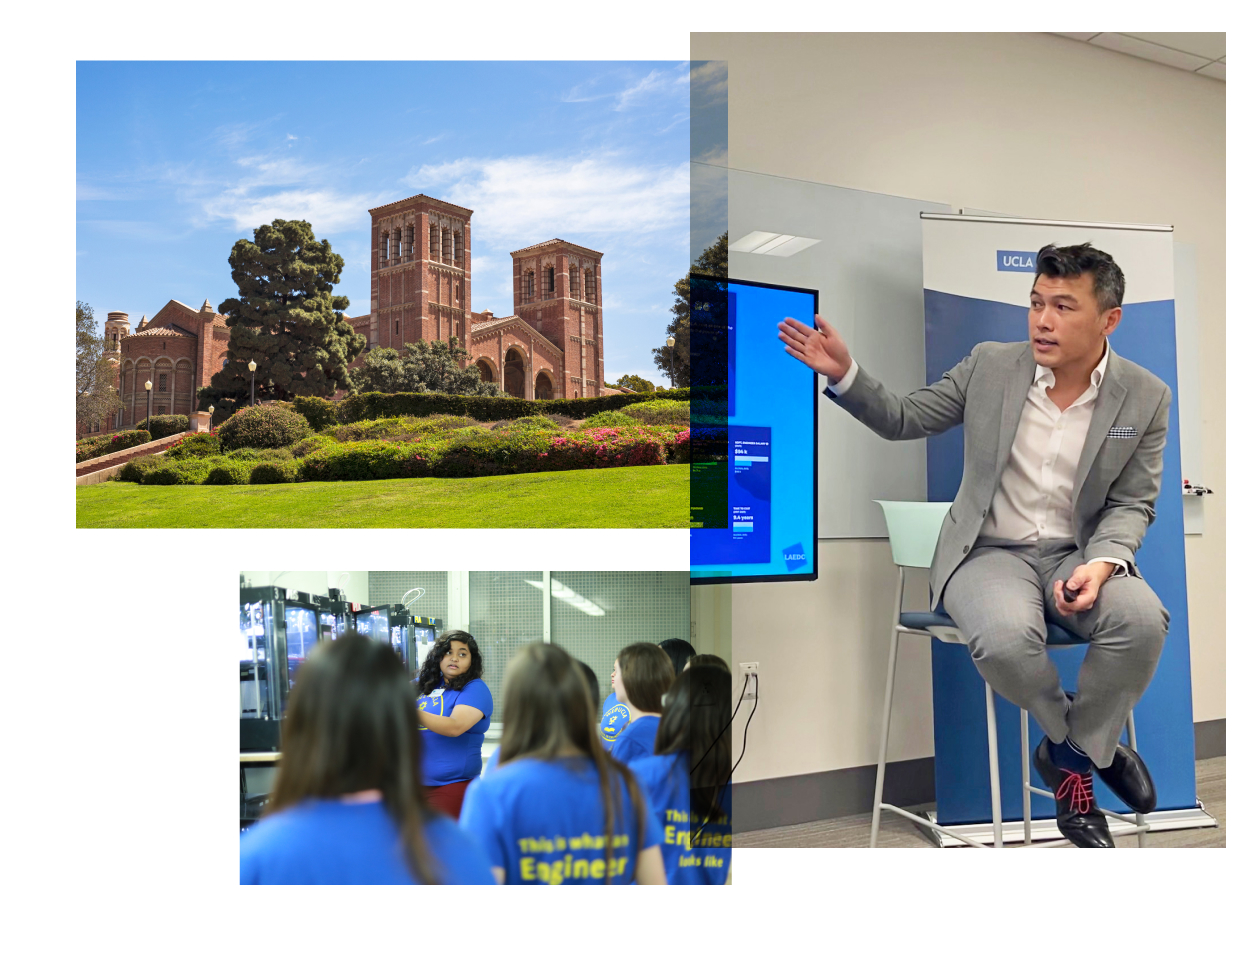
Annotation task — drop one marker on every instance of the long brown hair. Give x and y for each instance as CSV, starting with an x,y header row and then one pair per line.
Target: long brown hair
x,y
647,673
352,725
696,722
547,711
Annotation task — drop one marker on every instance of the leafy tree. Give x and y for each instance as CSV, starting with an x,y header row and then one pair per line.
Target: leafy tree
x,y
675,362
96,376
285,318
422,367
631,381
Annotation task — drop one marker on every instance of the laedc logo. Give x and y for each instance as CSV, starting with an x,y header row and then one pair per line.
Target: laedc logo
x,y
1017,261
794,556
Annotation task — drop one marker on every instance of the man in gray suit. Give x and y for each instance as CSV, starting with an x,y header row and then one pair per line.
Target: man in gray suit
x,y
1062,460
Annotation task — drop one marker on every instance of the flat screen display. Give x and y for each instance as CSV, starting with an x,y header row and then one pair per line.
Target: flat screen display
x,y
373,623
754,437
301,632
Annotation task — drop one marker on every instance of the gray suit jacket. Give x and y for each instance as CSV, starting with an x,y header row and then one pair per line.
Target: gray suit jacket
x,y
1120,471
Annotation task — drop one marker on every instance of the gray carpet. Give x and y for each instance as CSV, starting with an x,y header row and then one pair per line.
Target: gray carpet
x,y
1211,779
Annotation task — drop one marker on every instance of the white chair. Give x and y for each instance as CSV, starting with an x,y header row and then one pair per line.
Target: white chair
x,y
913,530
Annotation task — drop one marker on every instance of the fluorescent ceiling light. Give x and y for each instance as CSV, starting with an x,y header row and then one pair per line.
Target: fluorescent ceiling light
x,y
749,243
772,244
569,597
792,246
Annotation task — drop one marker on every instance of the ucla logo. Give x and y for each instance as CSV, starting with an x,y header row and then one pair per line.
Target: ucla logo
x,y
1017,261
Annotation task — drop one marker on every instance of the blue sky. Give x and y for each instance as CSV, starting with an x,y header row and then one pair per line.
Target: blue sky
x,y
177,161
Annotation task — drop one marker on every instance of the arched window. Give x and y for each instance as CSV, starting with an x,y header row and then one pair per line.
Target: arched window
x,y
446,247
410,241
397,243
163,383
457,291
397,329
384,246
574,281
224,361
434,244
530,292
459,253
590,283
548,283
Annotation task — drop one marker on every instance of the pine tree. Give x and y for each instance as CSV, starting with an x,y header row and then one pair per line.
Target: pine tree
x,y
285,318
676,362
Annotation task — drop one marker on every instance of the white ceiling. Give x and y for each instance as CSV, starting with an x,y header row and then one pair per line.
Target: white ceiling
x,y
1204,54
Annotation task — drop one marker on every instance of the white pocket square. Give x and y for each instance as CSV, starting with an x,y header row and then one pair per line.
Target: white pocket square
x,y
1121,432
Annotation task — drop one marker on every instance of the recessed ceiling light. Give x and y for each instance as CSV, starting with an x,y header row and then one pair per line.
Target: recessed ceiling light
x,y
772,244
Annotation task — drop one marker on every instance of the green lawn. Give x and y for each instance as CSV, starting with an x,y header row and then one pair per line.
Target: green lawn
x,y
625,497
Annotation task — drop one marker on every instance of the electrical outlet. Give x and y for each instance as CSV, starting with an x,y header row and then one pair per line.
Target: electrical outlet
x,y
751,677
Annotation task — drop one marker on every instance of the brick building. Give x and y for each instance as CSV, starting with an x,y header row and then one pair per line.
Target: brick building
x,y
550,346
177,351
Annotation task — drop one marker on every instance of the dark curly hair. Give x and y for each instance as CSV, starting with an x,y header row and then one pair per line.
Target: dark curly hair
x,y
430,673
1072,261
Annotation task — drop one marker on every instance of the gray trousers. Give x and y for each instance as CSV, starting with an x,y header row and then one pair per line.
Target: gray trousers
x,y
1001,596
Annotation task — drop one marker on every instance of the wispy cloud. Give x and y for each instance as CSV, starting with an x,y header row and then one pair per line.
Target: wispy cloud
x,y
709,83
715,155
290,136
325,209
439,136
528,199
657,81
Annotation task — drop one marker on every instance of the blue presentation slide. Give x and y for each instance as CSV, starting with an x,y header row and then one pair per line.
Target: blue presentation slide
x,y
766,466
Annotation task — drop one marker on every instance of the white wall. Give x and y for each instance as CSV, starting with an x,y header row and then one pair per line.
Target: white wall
x,y
1030,125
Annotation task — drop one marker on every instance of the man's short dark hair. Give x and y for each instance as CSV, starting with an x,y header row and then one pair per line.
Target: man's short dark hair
x,y
1071,261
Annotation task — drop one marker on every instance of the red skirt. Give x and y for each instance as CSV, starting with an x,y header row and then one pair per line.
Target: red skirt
x,y
447,799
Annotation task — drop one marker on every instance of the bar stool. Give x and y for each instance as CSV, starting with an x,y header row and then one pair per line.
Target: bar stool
x,y
913,530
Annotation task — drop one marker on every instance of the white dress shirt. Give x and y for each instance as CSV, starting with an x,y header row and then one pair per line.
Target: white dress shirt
x,y
1033,499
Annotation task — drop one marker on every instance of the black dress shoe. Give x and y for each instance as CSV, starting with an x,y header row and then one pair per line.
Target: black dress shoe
x,y
1128,777
1078,817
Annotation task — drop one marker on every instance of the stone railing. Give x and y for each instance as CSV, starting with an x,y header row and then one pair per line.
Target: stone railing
x,y
101,467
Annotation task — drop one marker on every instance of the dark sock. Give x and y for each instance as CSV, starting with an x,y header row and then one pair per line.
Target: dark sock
x,y
1066,755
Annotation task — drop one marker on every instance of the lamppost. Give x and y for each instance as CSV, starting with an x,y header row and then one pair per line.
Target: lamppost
x,y
251,367
669,342
149,405
211,411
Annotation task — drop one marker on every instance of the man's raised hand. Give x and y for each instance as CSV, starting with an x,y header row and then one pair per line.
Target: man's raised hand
x,y
822,348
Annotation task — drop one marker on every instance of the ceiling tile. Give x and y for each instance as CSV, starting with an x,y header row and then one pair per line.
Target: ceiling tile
x,y
1149,51
1216,70
1208,45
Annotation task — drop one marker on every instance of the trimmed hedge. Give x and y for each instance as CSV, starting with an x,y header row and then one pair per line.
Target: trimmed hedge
x,y
660,412
249,455
162,426
136,469
317,411
195,445
534,452
280,471
369,459
229,472
615,418
263,427
115,443
177,472
312,444
374,406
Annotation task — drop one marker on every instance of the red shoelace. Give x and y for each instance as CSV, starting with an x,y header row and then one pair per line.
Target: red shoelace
x,y
1077,789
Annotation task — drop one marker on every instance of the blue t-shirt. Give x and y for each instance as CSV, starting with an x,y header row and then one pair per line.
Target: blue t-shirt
x,y
614,717
452,759
541,821
693,855
330,842
637,740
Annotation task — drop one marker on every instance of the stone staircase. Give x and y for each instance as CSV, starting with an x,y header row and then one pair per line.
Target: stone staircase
x,y
102,467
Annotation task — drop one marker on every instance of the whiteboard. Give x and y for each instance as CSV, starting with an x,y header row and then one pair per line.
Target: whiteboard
x,y
868,269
